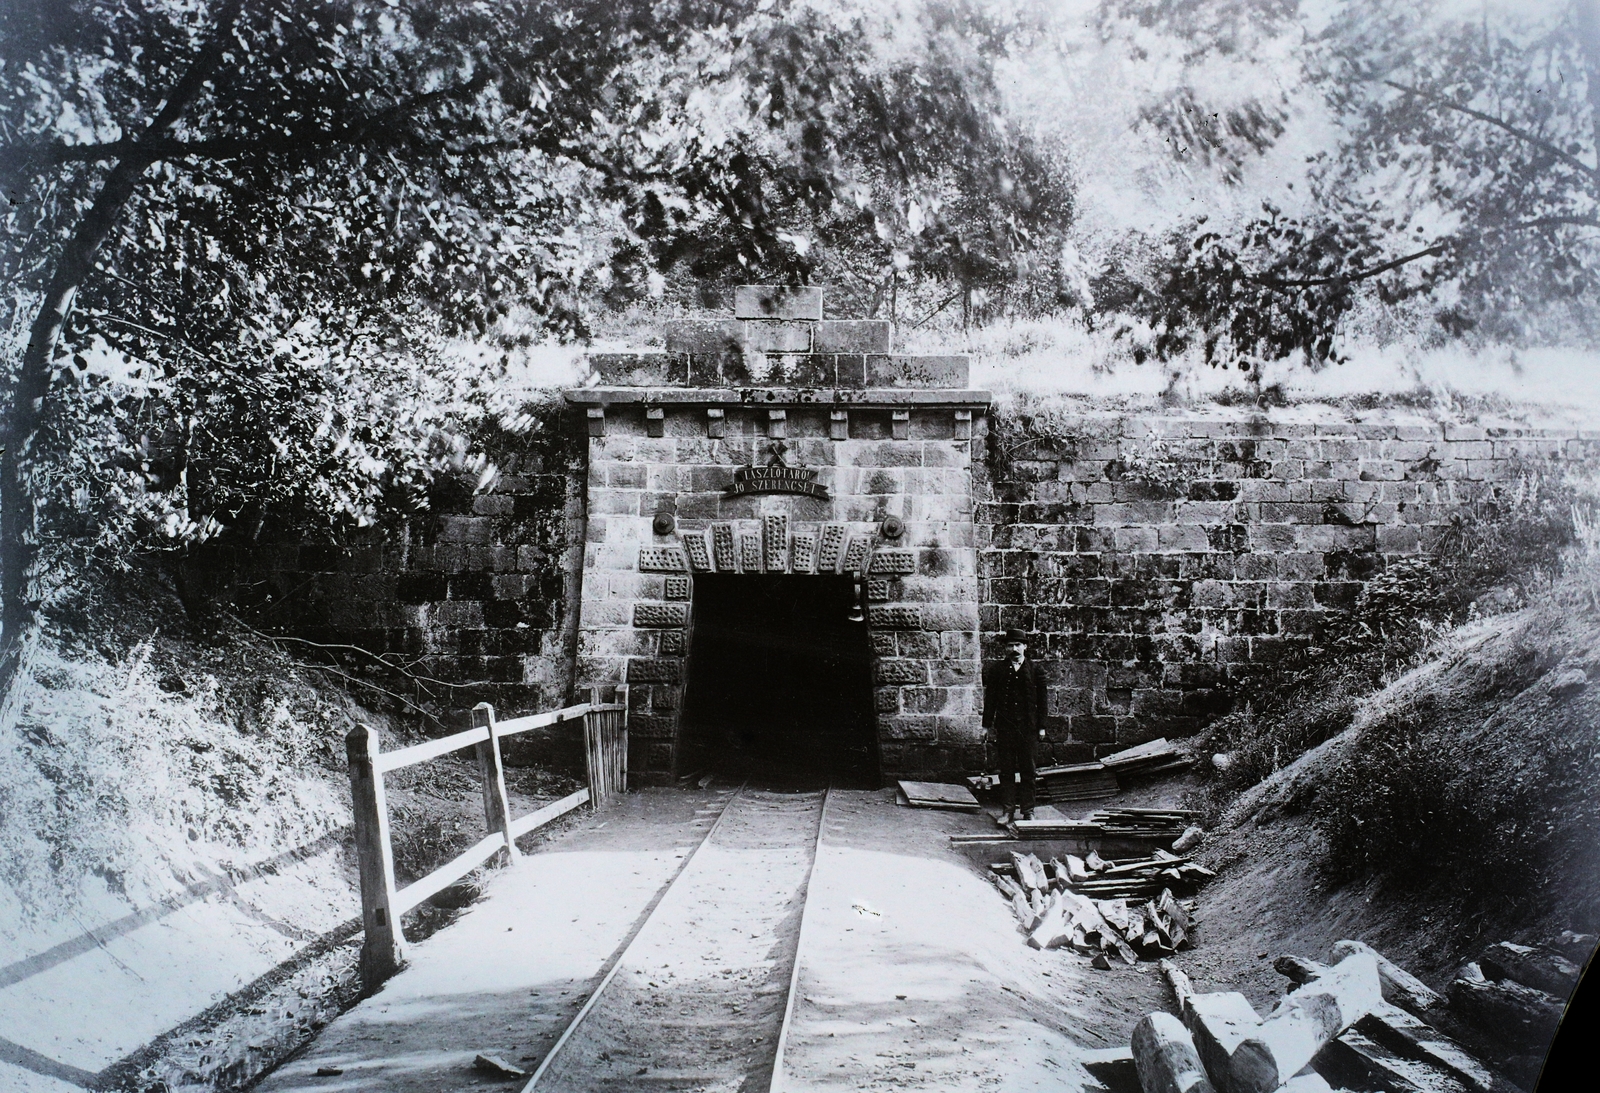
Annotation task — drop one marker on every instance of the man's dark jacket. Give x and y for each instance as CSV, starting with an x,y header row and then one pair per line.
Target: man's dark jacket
x,y
1013,701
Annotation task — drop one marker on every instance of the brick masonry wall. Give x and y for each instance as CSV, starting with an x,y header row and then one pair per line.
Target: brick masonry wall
x,y
474,600
1154,557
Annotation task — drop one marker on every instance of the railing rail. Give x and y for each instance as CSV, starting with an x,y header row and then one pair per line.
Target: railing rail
x,y
605,734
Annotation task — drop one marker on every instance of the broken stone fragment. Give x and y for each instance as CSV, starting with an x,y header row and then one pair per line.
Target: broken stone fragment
x,y
493,1064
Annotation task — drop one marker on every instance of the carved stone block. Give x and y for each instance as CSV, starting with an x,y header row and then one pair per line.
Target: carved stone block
x,y
664,559
894,618
803,553
655,421
900,424
654,669
775,541
883,643
658,615
899,671
750,551
723,547
677,588
672,643
855,555
877,589
894,562
695,544
830,549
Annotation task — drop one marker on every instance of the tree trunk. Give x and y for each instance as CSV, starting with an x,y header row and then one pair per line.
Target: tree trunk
x,y
1587,15
18,543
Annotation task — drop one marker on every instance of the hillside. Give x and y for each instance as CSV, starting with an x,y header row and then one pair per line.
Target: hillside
x,y
1461,807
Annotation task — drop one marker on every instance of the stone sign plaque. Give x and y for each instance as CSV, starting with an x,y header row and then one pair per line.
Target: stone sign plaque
x,y
777,479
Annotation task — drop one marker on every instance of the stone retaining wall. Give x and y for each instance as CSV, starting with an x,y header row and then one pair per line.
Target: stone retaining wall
x,y
1155,556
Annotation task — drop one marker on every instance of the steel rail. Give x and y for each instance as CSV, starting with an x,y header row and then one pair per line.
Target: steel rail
x,y
776,1085
622,950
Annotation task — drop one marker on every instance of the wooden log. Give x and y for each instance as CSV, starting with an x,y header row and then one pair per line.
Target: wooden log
x,y
1400,987
1547,971
1192,837
1405,1033
1307,1081
1525,1016
1221,1023
1182,989
1165,1058
1260,1059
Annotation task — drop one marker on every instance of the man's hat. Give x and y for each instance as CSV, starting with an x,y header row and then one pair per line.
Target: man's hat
x,y
1015,634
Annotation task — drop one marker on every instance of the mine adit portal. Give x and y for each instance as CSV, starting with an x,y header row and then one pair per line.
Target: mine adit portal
x,y
781,558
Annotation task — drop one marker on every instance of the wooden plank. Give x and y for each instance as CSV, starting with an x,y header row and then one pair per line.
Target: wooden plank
x,y
937,794
430,749
450,872
535,820
1550,972
544,720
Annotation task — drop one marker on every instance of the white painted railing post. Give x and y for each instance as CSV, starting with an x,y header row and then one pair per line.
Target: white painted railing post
x,y
496,809
383,946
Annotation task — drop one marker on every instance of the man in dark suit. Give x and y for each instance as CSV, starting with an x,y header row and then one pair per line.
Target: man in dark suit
x,y
1014,707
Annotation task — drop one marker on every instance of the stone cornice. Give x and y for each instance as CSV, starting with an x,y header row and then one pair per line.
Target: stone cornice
x,y
776,397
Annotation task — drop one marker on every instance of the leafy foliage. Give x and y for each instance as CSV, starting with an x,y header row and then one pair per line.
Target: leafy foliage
x,y
266,336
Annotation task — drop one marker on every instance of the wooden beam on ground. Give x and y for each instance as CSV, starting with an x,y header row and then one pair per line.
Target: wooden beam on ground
x,y
1547,971
1399,986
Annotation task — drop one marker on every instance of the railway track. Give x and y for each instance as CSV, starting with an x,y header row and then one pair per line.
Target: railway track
x,y
700,995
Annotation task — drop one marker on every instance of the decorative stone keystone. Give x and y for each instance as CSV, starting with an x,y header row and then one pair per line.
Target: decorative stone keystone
x,y
778,423
597,421
750,551
963,424
900,424
775,542
838,424
716,423
655,420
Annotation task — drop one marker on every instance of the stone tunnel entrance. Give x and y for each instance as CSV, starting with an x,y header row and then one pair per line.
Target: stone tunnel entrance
x,y
741,483
779,680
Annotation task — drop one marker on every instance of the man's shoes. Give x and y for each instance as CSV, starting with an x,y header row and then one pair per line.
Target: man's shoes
x,y
1010,817
1027,814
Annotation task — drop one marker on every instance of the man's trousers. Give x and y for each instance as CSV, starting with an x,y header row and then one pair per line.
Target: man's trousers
x,y
1015,750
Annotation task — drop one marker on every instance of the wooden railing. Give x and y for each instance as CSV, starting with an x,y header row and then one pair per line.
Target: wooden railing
x,y
605,734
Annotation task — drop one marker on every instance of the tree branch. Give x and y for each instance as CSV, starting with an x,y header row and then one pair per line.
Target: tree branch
x,y
1348,278
1499,123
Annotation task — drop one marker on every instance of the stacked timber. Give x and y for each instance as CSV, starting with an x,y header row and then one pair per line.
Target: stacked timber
x,y
1086,905
1151,758
939,795
1164,824
1075,782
